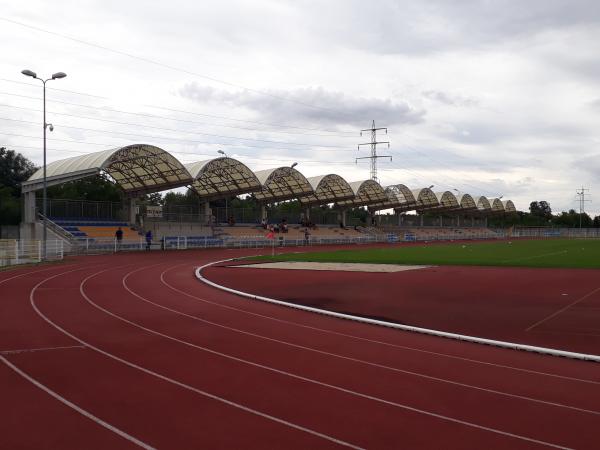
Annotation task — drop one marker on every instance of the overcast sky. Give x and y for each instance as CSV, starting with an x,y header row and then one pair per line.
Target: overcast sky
x,y
486,97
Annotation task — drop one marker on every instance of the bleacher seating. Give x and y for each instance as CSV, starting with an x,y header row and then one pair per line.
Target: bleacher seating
x,y
82,228
294,232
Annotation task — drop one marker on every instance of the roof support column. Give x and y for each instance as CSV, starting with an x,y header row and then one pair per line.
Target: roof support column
x,y
206,213
131,210
263,211
29,215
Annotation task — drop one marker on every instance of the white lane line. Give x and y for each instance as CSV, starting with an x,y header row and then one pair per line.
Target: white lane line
x,y
309,380
175,382
397,326
372,341
62,399
73,406
32,272
556,313
355,360
41,349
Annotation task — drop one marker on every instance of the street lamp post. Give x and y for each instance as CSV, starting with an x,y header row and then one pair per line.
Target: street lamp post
x,y
55,76
221,152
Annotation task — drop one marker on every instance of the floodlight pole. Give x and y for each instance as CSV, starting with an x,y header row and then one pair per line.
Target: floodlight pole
x,y
45,125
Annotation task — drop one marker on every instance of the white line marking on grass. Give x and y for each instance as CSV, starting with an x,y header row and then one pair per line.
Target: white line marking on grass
x,y
524,258
372,341
170,380
42,349
460,337
592,292
346,358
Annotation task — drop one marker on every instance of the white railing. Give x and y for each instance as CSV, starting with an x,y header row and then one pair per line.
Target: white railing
x,y
20,251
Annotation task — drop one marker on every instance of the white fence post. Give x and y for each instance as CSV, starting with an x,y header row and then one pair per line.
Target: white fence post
x,y
17,251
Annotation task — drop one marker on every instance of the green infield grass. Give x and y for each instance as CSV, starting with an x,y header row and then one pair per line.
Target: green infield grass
x,y
571,253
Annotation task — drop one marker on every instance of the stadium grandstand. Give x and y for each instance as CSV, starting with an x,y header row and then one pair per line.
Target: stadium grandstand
x,y
325,202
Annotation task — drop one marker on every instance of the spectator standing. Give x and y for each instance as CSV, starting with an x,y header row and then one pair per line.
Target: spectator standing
x,y
119,236
148,239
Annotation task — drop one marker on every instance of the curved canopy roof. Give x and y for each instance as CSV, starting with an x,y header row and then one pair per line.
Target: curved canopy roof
x,y
135,168
144,168
466,202
280,184
509,206
327,189
497,206
425,199
398,197
447,201
366,192
483,204
222,177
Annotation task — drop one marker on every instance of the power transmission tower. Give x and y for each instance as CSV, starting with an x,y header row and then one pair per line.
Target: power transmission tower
x,y
373,145
581,194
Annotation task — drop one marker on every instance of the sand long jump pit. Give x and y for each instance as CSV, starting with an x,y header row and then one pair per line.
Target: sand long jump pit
x,y
330,266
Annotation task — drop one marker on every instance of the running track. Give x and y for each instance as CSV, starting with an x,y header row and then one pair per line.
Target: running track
x,y
131,351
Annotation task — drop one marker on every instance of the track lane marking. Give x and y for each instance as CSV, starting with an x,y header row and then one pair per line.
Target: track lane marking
x,y
41,349
348,358
309,380
62,399
563,309
32,272
175,382
73,406
373,341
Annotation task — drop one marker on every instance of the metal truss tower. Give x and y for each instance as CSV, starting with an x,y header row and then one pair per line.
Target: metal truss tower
x,y
582,200
373,145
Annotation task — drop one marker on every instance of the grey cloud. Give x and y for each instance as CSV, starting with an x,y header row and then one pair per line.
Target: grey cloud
x,y
416,27
335,108
589,164
450,99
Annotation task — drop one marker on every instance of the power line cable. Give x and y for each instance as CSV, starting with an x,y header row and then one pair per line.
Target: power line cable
x,y
172,129
167,66
147,136
154,116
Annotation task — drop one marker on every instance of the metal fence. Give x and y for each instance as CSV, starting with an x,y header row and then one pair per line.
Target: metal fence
x,y
20,251
83,209
14,251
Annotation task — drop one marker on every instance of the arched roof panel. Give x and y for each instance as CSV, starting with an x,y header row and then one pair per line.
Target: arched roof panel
x,y
327,189
283,183
497,206
509,206
447,200
483,204
425,199
366,192
399,197
135,168
466,202
222,177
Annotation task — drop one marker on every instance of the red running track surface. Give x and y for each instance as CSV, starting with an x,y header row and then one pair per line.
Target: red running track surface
x,y
556,308
131,351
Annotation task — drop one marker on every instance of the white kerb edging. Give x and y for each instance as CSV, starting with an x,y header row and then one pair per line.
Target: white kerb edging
x,y
460,337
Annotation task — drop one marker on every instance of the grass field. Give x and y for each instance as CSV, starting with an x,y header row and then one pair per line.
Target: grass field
x,y
571,253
